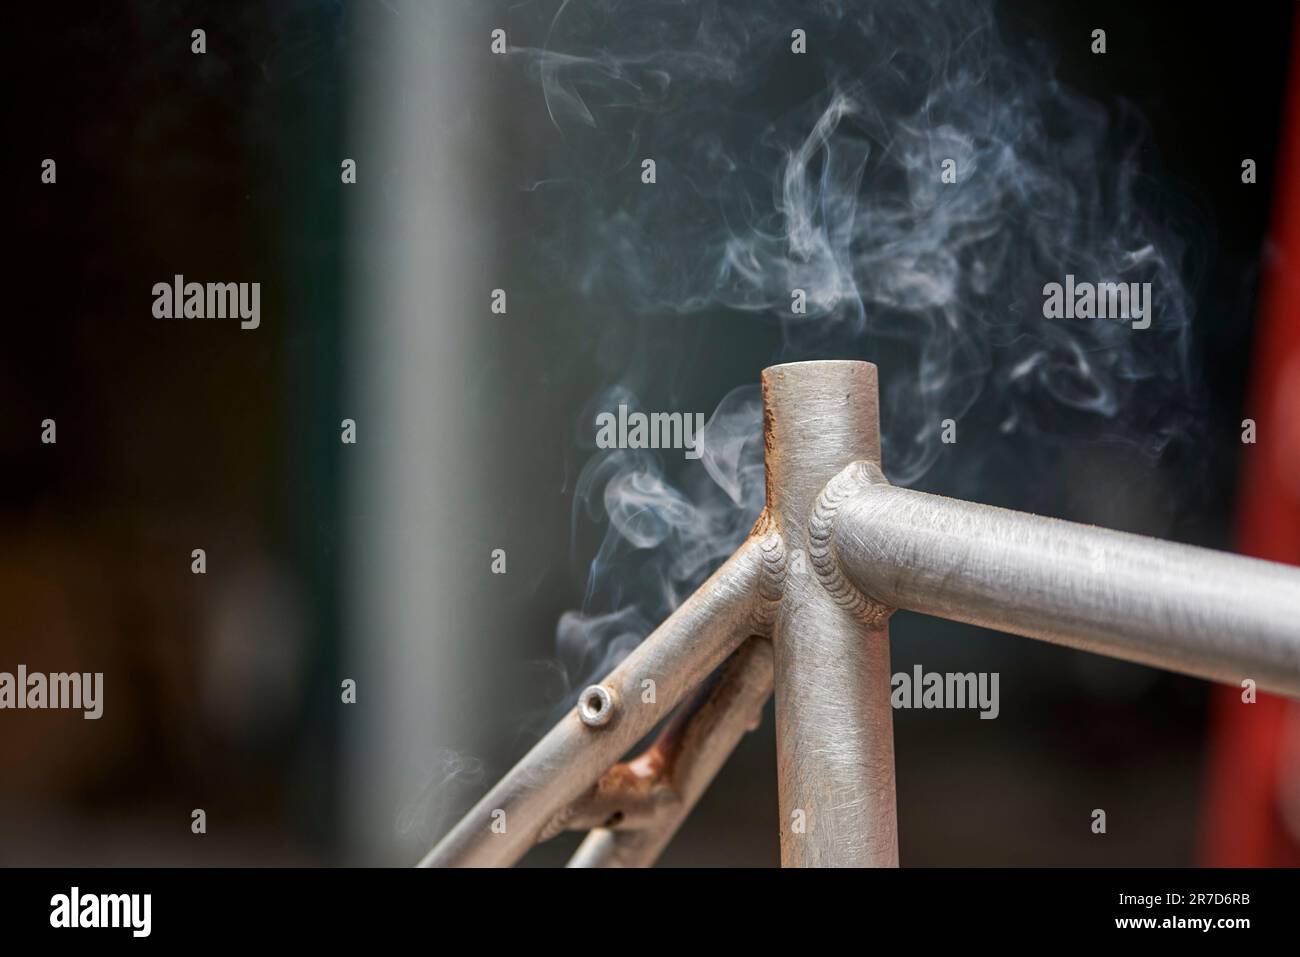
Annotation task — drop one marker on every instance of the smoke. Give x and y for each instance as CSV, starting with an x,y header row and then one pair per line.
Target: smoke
x,y
662,538
818,178
441,784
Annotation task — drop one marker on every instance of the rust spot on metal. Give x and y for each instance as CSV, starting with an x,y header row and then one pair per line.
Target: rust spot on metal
x,y
765,524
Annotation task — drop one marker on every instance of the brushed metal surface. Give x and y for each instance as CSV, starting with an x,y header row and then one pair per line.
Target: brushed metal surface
x,y
677,656
1193,610
834,724
677,769
835,551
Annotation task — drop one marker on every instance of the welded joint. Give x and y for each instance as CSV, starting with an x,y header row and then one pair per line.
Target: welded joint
x,y
847,483
637,793
653,790
772,573
630,795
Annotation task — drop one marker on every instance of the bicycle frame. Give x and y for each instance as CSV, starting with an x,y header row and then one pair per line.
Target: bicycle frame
x,y
803,607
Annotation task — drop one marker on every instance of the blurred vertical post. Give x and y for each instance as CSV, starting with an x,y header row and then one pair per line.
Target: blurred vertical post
x,y
414,217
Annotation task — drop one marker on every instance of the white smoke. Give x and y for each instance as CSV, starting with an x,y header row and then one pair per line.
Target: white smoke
x,y
821,172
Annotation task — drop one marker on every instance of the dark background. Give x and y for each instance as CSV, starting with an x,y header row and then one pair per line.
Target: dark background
x,y
224,689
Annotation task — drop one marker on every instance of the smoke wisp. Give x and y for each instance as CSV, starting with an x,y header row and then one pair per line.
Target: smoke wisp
x,y
816,180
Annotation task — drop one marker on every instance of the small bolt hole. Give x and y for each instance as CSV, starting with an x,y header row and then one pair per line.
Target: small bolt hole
x,y
595,706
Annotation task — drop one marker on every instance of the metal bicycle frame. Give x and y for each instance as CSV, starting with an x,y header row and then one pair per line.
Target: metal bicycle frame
x,y
803,607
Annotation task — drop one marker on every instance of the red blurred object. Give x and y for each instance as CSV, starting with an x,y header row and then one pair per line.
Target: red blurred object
x,y
1251,816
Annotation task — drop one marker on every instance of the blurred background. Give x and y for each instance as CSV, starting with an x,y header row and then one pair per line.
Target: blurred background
x,y
372,562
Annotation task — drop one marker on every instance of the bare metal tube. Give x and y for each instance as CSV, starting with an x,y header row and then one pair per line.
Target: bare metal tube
x,y
835,551
675,657
1192,610
667,781
834,725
